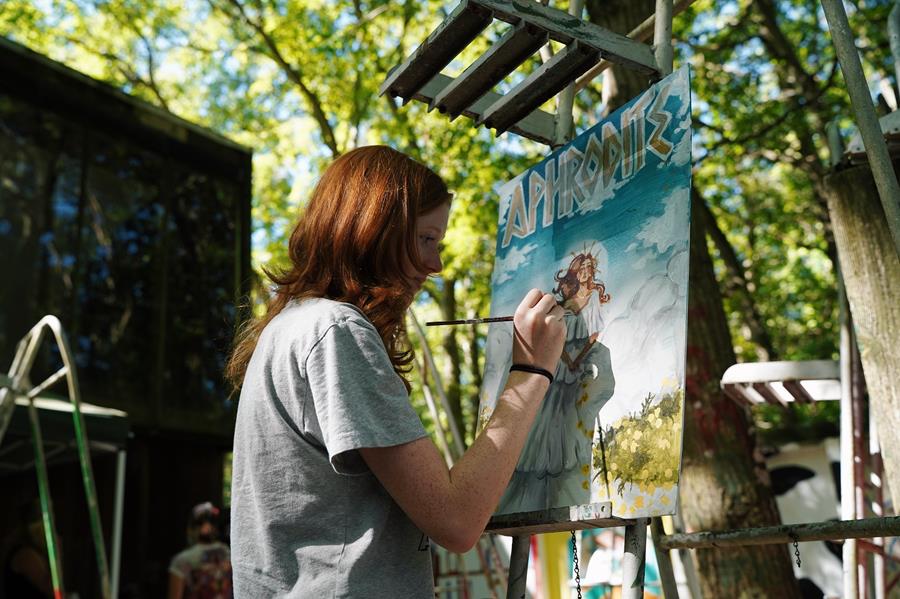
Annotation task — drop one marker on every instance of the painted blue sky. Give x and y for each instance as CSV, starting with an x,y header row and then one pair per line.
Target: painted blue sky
x,y
629,208
638,229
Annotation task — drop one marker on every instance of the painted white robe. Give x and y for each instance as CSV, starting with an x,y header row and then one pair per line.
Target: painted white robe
x,y
555,465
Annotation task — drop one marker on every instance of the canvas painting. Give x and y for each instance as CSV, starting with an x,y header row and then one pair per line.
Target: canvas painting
x,y
603,224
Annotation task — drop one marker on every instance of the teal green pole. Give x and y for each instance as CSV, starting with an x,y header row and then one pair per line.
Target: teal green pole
x,y
84,458
40,466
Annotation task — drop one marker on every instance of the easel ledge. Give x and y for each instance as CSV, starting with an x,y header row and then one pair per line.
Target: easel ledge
x,y
561,519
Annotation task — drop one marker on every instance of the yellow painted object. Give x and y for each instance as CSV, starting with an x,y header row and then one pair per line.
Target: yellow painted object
x,y
553,554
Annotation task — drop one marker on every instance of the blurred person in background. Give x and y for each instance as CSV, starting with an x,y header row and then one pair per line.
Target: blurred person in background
x,y
203,570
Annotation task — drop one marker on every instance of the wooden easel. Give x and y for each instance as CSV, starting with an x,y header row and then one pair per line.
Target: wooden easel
x,y
594,515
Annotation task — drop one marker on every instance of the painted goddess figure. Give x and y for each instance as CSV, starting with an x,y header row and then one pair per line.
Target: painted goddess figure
x,y
554,467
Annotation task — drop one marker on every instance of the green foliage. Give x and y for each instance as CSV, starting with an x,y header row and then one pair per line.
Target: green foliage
x,y
297,81
777,426
765,84
747,123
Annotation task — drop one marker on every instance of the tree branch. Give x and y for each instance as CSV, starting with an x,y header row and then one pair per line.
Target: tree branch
x,y
151,70
150,81
123,67
735,283
797,102
294,76
731,39
779,46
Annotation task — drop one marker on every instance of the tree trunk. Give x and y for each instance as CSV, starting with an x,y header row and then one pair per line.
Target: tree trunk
x,y
474,363
736,284
451,347
620,16
871,272
724,483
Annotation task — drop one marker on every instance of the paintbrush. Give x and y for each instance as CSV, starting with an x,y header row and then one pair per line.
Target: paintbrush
x,y
435,323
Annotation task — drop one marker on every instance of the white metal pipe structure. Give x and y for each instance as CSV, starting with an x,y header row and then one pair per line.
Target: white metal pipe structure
x,y
17,373
7,403
690,573
458,444
663,560
81,438
662,38
118,508
435,416
867,120
639,33
447,450
546,52
859,454
636,534
835,143
20,371
565,125
894,37
633,560
831,530
687,560
51,535
878,565
848,479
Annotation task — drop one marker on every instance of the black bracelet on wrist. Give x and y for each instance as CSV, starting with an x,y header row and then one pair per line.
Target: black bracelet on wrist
x,y
532,369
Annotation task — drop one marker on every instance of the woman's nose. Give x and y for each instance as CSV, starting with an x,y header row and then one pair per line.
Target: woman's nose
x,y
433,263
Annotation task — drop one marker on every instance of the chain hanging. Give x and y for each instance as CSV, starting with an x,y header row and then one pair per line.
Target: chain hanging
x,y
796,550
575,565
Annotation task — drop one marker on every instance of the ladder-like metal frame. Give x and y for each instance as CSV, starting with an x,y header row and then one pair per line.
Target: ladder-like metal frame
x,y
18,383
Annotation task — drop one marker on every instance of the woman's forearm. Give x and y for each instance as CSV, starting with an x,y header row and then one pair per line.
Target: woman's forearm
x,y
482,474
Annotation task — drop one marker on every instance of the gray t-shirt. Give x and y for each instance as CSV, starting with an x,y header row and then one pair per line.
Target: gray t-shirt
x,y
308,518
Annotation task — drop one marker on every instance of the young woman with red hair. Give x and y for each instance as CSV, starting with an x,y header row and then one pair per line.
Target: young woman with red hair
x,y
336,487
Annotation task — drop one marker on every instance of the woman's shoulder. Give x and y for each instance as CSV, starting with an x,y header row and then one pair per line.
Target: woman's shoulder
x,y
311,323
317,315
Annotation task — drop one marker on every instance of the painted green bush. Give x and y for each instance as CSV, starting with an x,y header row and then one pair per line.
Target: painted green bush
x,y
643,448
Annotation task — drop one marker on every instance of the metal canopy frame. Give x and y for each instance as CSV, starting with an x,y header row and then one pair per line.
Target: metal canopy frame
x,y
533,24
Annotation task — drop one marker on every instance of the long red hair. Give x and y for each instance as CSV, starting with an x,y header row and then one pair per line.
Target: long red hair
x,y
567,280
349,245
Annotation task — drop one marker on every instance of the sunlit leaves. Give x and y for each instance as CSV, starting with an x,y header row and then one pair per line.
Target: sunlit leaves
x,y
297,81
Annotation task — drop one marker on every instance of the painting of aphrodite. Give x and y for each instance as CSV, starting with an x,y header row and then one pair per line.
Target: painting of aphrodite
x,y
551,467
603,224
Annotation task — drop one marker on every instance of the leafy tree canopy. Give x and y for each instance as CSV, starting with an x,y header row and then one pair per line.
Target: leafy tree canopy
x,y
297,81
